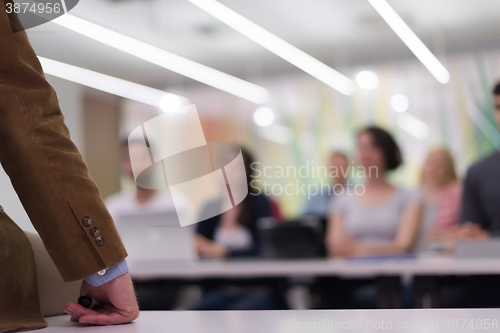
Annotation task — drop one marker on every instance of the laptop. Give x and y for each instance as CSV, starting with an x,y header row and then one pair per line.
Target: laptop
x,y
157,236
478,249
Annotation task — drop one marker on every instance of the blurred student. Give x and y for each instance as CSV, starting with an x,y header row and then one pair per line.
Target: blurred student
x,y
139,199
319,204
379,220
442,194
480,220
235,233
152,295
382,219
480,214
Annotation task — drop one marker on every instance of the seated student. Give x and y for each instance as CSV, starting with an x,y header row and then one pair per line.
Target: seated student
x,y
140,199
318,205
235,233
442,192
381,220
153,295
479,220
480,214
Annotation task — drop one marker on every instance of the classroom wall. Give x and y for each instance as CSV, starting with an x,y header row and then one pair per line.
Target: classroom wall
x,y
102,147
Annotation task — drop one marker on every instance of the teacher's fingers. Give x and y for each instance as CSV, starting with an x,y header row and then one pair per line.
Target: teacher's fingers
x,y
105,318
75,310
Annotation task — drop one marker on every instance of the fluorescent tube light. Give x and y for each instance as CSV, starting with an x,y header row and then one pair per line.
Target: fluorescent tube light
x,y
165,59
278,46
112,85
414,126
411,40
277,133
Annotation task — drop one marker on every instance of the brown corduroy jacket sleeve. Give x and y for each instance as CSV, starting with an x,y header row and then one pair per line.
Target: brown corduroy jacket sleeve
x,y
45,167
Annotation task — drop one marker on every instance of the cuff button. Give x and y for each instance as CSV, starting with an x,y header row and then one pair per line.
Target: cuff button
x,y
94,231
87,220
101,273
99,241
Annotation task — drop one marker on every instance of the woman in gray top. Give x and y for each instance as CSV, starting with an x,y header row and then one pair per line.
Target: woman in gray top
x,y
377,218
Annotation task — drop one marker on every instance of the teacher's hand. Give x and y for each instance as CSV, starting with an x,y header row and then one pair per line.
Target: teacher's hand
x,y
119,303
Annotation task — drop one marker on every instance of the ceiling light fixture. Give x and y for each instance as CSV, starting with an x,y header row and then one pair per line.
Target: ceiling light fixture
x,y
400,103
367,80
414,126
263,116
411,40
113,85
165,59
277,133
278,46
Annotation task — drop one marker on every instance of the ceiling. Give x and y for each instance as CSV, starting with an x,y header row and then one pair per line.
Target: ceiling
x,y
337,32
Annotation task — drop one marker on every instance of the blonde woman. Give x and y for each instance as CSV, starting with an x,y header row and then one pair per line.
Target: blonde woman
x,y
442,192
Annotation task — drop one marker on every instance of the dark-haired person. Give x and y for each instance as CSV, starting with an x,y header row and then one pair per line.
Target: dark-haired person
x,y
480,220
235,233
480,215
381,220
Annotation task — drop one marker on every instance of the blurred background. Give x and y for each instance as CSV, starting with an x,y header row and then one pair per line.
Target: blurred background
x,y
303,119
349,36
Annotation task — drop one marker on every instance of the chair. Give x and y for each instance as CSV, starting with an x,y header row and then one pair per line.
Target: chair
x,y
291,240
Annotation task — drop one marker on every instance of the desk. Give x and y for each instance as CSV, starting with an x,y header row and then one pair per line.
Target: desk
x,y
316,267
415,321
422,270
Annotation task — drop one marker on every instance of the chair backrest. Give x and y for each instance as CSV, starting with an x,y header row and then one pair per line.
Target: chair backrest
x,y
293,239
54,292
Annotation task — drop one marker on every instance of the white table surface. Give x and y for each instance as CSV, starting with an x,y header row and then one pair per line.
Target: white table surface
x,y
316,267
317,321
